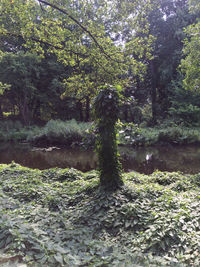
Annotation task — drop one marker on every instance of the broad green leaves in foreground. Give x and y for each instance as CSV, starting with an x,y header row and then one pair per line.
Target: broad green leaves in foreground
x,y
59,217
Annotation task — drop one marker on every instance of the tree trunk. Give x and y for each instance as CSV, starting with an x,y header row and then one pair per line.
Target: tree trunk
x,y
125,113
1,113
80,110
153,93
106,107
36,112
24,110
87,111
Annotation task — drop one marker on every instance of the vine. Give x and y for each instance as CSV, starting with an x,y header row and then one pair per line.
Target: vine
x,y
106,108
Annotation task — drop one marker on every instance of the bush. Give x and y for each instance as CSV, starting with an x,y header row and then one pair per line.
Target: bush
x,y
62,132
187,114
131,134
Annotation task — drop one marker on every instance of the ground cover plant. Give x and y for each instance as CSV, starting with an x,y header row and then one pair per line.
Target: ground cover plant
x,y
60,217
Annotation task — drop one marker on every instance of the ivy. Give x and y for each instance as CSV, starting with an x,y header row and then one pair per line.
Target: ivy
x,y
106,106
71,221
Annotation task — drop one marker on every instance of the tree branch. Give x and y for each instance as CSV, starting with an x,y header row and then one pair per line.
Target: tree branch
x,y
47,44
80,25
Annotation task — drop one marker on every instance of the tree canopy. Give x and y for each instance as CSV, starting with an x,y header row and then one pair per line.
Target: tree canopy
x,y
136,44
191,63
82,33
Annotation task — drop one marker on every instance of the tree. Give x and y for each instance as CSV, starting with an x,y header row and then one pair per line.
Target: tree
x,y
106,106
3,88
21,72
81,34
167,20
190,65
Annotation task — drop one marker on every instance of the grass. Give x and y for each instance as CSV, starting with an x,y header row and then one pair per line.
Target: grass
x,y
60,217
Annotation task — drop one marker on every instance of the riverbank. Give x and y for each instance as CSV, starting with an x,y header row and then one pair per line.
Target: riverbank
x,y
60,217
73,133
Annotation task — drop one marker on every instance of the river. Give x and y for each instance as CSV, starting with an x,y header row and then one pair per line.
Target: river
x,y
142,159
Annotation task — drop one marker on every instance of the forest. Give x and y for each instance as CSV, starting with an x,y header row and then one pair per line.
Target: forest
x,y
114,79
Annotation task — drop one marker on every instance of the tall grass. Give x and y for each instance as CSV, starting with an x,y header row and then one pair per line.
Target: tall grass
x,y
61,132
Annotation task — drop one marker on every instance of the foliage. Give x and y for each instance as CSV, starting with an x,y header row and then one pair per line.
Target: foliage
x,y
185,106
3,87
106,109
190,64
167,21
187,114
64,133
84,134
130,133
14,131
60,217
21,71
83,36
168,132
55,131
35,87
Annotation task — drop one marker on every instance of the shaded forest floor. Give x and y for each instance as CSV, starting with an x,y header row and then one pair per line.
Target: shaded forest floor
x,y
60,217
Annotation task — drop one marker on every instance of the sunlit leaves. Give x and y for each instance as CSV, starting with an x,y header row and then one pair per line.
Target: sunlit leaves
x,y
83,33
191,64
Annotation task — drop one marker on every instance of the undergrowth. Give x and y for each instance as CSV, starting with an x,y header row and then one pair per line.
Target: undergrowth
x,y
70,133
54,132
15,131
63,132
60,217
131,134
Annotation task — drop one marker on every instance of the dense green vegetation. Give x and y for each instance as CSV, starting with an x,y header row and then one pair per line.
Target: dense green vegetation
x,y
56,57
61,217
106,106
73,133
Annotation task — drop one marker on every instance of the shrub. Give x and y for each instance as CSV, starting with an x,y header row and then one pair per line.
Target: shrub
x,y
61,132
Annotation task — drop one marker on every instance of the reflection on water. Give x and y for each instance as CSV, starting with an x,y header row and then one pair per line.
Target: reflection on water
x,y
145,160
44,159
164,158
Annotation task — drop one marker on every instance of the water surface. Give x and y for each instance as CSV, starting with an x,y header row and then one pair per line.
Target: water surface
x,y
144,160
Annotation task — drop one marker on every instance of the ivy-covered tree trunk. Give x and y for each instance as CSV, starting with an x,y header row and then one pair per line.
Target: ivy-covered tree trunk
x,y
106,107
